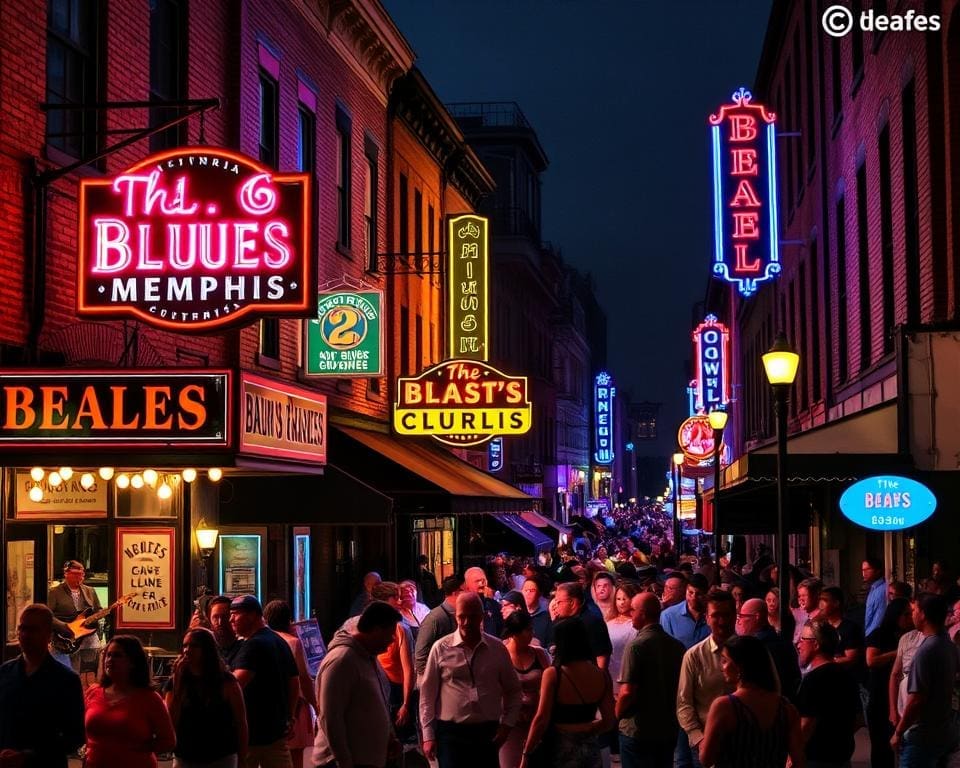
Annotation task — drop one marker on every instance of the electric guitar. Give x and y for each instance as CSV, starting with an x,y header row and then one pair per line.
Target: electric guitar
x,y
85,624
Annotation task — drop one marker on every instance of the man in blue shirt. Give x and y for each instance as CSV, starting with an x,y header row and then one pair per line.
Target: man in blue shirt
x,y
687,621
872,570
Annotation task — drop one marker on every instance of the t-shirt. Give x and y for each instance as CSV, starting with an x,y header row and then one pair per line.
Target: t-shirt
x,y
118,732
934,674
267,695
878,678
829,694
651,663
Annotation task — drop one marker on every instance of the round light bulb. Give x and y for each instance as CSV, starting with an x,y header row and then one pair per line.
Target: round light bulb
x,y
66,473
189,475
215,473
150,477
36,494
54,479
164,491
137,481
106,472
123,481
36,474
87,480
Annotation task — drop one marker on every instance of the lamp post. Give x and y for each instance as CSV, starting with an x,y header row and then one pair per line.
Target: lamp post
x,y
206,543
780,364
677,525
718,420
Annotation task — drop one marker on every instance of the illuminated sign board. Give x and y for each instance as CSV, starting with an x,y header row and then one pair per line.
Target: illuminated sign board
x,y
887,503
696,439
746,245
279,420
467,287
462,403
346,339
195,239
603,395
692,398
495,455
40,409
711,341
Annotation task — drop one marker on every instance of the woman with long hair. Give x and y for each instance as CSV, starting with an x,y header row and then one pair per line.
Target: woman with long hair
x,y
206,706
754,725
564,731
529,661
881,652
620,628
602,589
126,722
279,618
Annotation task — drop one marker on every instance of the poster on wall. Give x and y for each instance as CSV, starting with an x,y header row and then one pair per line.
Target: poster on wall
x,y
239,564
301,573
312,641
69,498
146,568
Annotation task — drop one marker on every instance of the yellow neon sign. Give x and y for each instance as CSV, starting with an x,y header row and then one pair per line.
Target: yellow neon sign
x,y
468,287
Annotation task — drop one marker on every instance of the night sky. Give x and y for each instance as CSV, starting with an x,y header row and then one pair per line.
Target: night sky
x,y
618,92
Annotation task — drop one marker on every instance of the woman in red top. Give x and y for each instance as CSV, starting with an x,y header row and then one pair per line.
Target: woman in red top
x,y
126,721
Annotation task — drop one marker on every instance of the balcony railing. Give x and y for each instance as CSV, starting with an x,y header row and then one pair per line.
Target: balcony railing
x,y
489,114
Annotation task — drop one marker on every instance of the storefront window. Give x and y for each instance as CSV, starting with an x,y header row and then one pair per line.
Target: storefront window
x,y
162,496
87,543
20,581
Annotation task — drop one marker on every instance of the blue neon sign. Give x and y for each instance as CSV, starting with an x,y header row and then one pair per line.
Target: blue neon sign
x,y
495,455
887,503
604,392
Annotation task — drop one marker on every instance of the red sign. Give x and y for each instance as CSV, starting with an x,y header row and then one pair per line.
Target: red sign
x,y
696,438
195,239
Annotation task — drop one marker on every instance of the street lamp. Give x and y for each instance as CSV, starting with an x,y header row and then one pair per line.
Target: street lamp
x,y
780,364
718,420
677,525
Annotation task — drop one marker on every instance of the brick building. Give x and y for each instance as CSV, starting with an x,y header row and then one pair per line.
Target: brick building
x,y
868,156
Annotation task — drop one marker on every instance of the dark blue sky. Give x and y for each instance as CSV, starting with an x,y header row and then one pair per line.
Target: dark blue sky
x,y
619,92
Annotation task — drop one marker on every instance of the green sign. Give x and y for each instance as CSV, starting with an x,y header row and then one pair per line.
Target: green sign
x,y
345,339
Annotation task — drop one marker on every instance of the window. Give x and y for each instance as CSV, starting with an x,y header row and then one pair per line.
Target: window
x,y
797,121
72,59
802,302
787,104
418,344
837,80
306,139
404,341
841,290
270,340
167,69
344,211
431,230
815,319
404,204
886,240
856,45
418,222
911,205
791,327
269,120
808,62
863,268
371,203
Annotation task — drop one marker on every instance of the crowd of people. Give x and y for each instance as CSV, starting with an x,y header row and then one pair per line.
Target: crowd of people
x,y
614,650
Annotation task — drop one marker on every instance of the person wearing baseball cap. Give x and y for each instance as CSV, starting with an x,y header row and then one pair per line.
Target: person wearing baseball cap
x,y
267,672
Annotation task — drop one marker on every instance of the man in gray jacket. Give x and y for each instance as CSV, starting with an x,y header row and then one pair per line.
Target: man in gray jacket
x,y
353,694
440,622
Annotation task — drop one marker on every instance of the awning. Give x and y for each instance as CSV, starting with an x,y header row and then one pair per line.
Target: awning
x,y
542,521
406,467
519,526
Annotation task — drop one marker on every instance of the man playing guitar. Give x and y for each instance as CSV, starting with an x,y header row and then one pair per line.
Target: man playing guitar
x,y
67,601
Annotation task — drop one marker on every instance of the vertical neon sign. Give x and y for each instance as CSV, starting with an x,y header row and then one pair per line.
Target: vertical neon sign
x,y
604,392
746,246
467,287
711,342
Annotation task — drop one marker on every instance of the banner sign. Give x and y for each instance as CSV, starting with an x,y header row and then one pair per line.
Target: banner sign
x,y
696,439
495,455
462,403
887,503
746,232
194,239
603,394
711,342
346,339
69,499
468,287
280,420
81,408
146,566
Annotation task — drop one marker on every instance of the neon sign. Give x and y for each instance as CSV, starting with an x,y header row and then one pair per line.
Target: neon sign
x,y
603,395
746,245
195,239
462,403
495,455
711,341
346,339
696,438
887,503
467,287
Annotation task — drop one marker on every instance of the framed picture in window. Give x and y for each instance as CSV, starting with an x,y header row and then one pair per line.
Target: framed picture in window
x,y
301,573
241,563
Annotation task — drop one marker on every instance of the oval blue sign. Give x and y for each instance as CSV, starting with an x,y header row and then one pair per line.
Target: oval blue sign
x,y
887,503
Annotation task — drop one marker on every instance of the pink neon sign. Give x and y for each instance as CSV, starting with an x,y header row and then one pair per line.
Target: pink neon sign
x,y
195,239
711,341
